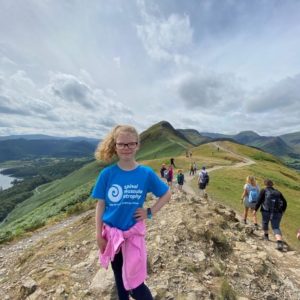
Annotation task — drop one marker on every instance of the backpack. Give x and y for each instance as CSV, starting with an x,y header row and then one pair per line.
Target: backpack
x,y
180,178
205,178
253,194
273,202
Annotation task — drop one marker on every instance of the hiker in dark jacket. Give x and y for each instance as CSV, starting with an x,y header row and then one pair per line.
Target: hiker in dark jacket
x,y
273,205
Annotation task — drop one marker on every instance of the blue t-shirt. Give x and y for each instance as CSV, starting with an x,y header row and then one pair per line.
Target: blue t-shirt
x,y
124,192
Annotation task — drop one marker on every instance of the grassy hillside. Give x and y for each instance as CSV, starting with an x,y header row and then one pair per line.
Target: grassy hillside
x,y
159,143
292,138
51,200
162,140
194,137
226,185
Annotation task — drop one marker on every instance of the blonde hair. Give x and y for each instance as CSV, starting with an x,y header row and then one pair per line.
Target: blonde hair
x,y
106,149
251,180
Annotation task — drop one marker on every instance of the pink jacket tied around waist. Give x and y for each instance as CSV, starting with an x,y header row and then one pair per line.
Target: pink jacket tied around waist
x,y
133,247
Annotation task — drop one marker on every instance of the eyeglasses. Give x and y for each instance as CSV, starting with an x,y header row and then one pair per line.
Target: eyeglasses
x,y
131,145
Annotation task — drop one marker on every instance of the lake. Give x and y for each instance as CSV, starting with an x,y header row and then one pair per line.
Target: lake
x,y
5,181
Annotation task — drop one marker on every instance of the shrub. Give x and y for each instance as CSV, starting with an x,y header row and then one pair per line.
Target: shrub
x,y
227,292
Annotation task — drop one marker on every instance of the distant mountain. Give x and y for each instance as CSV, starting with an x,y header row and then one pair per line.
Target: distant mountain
x,y
48,137
215,135
194,137
271,144
292,139
246,137
16,149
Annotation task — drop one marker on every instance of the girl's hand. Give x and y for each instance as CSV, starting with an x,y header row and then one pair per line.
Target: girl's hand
x,y
140,214
101,242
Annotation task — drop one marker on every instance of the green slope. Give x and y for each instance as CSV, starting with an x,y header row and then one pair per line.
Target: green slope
x,y
226,185
194,137
51,200
162,140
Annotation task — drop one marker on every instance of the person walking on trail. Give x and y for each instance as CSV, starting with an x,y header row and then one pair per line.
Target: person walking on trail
x,y
249,198
192,170
180,179
170,176
203,180
195,167
163,170
273,205
121,191
172,162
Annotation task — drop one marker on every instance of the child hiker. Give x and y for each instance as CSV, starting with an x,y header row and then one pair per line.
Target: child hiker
x,y
180,179
121,191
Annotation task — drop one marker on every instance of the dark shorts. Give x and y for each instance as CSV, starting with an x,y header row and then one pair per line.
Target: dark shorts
x,y
202,185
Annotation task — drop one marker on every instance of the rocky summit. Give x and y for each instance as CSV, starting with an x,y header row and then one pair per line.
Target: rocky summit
x,y
197,249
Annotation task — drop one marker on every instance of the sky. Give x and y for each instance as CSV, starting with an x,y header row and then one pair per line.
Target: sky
x,y
78,68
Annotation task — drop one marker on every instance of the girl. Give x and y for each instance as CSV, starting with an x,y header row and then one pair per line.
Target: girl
x,y
121,191
252,188
170,176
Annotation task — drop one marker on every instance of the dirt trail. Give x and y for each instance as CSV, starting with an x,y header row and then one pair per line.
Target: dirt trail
x,y
245,162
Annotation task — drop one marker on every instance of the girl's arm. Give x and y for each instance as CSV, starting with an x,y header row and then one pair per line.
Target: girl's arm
x,y
141,213
99,224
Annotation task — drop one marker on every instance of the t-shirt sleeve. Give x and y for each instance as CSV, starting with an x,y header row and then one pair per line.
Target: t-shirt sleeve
x,y
156,185
100,185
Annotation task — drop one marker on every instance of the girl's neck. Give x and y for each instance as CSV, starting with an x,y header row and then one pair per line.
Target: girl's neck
x,y
127,165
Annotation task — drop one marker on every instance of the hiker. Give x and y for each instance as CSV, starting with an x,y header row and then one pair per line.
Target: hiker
x,y
170,176
203,180
192,170
249,198
273,205
163,170
195,167
180,179
121,190
172,163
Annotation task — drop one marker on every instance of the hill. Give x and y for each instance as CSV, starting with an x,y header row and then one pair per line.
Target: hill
x,y
197,249
31,137
286,147
27,149
158,144
162,140
194,137
292,138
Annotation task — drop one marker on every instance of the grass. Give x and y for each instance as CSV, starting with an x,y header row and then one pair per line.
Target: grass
x,y
62,197
226,186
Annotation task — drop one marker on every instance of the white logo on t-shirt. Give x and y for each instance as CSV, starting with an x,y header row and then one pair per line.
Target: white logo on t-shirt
x,y
115,193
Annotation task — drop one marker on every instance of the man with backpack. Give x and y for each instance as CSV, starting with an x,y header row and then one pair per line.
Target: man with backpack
x,y
203,180
273,205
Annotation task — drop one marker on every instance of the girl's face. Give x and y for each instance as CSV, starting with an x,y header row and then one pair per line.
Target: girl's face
x,y
126,146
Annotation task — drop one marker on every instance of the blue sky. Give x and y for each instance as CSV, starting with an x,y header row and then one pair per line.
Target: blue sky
x,y
80,67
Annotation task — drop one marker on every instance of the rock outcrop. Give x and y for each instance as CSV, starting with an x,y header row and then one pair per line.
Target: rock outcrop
x,y
197,249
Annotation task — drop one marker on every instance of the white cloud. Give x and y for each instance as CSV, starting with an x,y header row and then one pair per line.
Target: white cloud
x,y
283,96
165,38
216,66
